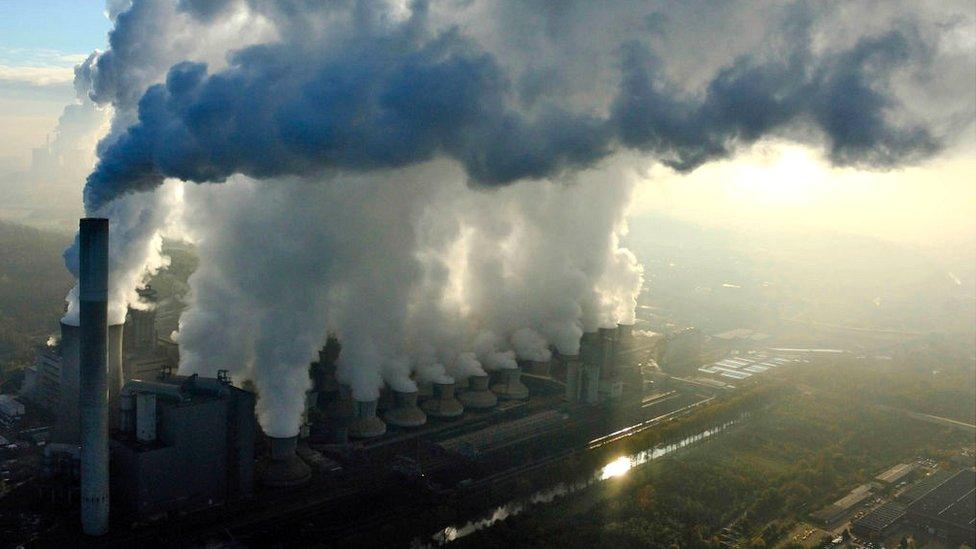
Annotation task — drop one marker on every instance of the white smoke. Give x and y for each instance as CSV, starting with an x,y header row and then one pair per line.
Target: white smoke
x,y
465,366
148,38
369,128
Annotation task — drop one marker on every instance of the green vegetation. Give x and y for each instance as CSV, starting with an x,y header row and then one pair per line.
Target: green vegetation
x,y
33,283
821,434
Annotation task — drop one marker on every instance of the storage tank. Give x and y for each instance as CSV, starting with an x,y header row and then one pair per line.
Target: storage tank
x,y
443,404
405,412
285,468
509,386
364,423
478,396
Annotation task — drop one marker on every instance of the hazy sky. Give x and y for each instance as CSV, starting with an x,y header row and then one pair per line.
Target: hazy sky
x,y
772,184
40,42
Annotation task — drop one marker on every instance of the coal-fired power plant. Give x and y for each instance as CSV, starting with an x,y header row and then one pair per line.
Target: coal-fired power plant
x,y
93,374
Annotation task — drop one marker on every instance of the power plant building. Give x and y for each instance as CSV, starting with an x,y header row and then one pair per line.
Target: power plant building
x,y
183,442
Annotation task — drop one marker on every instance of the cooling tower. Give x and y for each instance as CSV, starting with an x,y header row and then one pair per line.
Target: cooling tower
x,y
443,404
590,350
68,407
93,373
425,390
478,397
405,412
508,385
339,412
327,372
364,423
537,367
573,371
285,468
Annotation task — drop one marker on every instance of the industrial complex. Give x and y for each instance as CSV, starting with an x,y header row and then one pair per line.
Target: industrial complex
x,y
133,442
136,451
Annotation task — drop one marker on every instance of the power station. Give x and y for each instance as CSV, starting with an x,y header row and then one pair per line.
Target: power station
x,y
178,443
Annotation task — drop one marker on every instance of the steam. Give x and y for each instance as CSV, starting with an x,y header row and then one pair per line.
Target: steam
x,y
442,186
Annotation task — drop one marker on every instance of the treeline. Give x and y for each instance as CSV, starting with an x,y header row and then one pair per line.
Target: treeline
x,y
33,283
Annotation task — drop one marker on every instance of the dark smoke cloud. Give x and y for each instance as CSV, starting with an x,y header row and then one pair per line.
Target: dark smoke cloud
x,y
843,96
397,95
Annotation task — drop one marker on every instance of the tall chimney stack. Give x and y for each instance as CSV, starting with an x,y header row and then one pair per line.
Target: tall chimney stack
x,y
93,374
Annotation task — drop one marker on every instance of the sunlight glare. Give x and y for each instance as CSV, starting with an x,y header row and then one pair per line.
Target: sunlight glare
x,y
616,468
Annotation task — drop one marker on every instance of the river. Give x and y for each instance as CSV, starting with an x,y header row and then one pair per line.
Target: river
x,y
616,468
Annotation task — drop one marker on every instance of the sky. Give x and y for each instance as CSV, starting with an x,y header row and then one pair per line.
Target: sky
x,y
40,43
771,184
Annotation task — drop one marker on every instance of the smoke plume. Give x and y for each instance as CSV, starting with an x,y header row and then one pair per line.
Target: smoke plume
x,y
444,185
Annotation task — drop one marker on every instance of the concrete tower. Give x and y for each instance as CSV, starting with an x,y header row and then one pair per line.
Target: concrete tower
x,y
93,373
68,424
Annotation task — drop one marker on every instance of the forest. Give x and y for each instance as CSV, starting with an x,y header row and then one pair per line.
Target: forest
x,y
33,283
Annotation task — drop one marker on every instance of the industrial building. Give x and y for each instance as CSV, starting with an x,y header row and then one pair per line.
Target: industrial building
x,y
683,352
11,410
948,510
832,514
896,474
169,444
183,442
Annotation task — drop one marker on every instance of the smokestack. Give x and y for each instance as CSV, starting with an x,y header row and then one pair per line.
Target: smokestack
x,y
68,408
285,468
443,404
115,341
509,386
405,412
365,424
93,371
478,397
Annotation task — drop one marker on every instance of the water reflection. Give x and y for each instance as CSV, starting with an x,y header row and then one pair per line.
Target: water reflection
x,y
615,468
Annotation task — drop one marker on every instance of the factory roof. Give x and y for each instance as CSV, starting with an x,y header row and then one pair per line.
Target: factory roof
x,y
953,501
742,334
896,473
837,509
881,518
